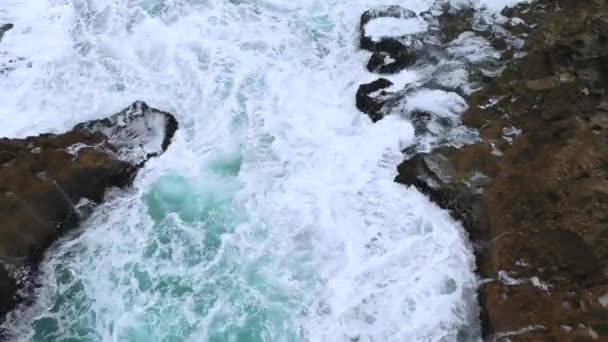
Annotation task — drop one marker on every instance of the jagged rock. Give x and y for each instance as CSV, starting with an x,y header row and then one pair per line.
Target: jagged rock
x,y
420,119
391,45
454,22
391,53
44,180
533,192
4,28
138,132
385,63
7,291
371,98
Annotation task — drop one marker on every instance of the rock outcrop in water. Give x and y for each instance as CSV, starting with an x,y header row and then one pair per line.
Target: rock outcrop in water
x,y
371,98
3,29
533,191
389,54
50,182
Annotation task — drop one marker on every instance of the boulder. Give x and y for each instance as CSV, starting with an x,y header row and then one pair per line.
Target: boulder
x,y
48,183
392,34
371,98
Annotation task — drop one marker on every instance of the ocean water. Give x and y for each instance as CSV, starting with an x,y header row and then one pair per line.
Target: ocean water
x,y
273,216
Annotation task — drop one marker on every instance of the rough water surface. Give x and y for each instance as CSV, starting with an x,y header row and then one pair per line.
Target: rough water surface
x,y
272,217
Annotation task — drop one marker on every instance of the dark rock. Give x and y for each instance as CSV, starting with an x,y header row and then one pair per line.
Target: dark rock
x,y
138,132
394,11
45,179
420,120
4,28
371,98
7,291
390,54
385,63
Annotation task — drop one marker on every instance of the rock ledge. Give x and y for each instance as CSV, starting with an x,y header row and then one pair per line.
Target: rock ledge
x,y
50,182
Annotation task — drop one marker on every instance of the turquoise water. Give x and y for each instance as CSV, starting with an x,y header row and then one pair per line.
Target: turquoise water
x,y
227,289
272,216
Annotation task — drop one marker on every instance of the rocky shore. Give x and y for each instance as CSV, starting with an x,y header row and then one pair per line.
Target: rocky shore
x,y
49,183
531,184
519,155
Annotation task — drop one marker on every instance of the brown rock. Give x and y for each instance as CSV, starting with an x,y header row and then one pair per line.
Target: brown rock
x,y
542,84
42,183
533,192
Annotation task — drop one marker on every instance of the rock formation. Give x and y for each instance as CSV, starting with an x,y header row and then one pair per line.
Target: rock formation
x,y
533,191
4,28
50,182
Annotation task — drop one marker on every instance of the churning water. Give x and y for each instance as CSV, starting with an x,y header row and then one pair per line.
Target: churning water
x,y
273,216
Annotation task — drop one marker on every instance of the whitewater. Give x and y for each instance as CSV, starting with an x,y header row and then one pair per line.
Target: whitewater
x,y
273,216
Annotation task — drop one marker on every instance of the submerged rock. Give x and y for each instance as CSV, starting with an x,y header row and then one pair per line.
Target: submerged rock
x,y
399,39
373,41
47,181
7,290
533,192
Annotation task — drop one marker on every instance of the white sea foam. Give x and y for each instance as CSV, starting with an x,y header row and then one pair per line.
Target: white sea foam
x,y
382,27
273,216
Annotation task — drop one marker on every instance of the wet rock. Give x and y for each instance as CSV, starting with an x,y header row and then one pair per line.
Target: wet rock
x,y
393,49
138,132
533,192
460,65
371,98
392,45
420,120
7,291
455,21
45,179
385,63
507,38
4,28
